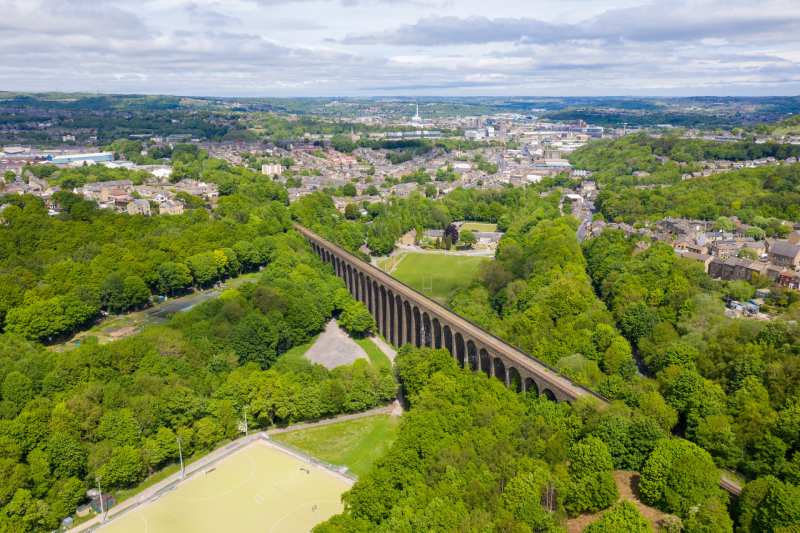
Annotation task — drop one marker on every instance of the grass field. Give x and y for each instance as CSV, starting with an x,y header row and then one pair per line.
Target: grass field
x,y
259,488
355,444
438,275
479,226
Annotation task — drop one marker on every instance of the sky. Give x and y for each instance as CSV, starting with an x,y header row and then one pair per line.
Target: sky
x,y
402,47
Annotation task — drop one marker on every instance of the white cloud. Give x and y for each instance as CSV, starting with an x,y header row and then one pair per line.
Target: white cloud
x,y
338,47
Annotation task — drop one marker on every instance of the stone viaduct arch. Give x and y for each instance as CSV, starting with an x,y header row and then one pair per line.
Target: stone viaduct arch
x,y
405,316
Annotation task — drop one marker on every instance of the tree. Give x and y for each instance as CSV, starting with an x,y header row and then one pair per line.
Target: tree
x,y
356,319
173,277
255,338
468,238
123,468
591,485
204,268
348,189
352,211
624,516
768,504
677,476
451,234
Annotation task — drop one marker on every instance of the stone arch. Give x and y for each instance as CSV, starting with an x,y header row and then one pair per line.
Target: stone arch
x,y
400,324
448,340
500,369
409,318
427,330
460,349
547,393
530,385
417,327
350,285
384,326
514,379
368,303
363,293
391,329
437,333
376,305
486,362
472,356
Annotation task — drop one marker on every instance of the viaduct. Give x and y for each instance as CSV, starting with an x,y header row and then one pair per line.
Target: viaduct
x,y
404,316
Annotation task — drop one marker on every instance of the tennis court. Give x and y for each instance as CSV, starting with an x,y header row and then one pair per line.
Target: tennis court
x,y
259,488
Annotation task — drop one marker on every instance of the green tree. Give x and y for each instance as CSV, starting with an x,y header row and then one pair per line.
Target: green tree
x,y
591,485
677,476
123,468
468,238
173,277
624,516
356,319
255,338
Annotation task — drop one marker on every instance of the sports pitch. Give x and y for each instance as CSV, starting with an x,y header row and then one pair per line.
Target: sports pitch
x,y
258,488
438,275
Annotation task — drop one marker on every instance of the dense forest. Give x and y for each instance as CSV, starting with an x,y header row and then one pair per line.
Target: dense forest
x,y
113,413
755,195
734,383
58,273
472,455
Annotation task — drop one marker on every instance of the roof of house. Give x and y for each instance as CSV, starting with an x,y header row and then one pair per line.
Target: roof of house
x,y
784,249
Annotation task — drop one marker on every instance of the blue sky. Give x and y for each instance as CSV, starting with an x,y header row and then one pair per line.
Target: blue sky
x,y
408,47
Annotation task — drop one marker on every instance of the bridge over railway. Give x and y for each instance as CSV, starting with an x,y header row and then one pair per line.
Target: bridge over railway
x,y
404,316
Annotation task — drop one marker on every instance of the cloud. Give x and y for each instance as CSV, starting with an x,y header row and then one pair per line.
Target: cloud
x,y
656,22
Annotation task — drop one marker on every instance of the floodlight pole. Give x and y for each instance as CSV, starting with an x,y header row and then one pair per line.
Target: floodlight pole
x,y
180,455
245,420
102,504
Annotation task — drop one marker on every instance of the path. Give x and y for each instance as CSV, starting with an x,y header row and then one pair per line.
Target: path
x,y
627,483
220,453
383,346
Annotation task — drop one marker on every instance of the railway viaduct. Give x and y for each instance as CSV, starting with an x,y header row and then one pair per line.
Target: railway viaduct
x,y
404,316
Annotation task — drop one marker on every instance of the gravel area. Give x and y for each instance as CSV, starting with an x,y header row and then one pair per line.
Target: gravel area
x,y
335,348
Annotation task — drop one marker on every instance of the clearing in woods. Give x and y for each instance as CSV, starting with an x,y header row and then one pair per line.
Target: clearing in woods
x,y
438,275
258,488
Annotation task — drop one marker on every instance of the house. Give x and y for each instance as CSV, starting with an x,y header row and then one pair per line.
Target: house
x,y
139,207
733,268
169,207
703,259
784,253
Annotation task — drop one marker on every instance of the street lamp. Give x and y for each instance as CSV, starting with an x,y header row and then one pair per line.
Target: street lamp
x,y
180,456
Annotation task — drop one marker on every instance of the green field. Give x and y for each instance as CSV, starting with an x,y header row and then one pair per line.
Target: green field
x,y
479,226
259,488
438,275
355,444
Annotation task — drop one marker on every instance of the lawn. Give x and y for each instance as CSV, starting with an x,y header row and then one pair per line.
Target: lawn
x,y
438,275
355,444
258,488
479,226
